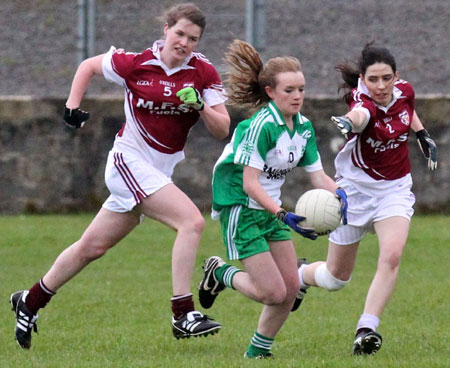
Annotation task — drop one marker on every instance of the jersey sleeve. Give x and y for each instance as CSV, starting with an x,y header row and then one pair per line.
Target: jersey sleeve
x,y
362,102
213,91
310,160
407,91
316,166
254,145
117,65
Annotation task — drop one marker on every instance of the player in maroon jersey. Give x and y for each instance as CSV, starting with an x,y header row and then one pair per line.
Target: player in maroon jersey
x,y
373,167
167,88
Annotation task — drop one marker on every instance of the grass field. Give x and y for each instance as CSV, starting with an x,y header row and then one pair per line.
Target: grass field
x,y
116,313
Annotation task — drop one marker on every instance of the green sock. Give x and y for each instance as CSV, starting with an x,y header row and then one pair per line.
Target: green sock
x,y
260,345
225,275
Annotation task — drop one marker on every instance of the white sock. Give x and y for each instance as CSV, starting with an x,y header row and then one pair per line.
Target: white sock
x,y
368,321
303,285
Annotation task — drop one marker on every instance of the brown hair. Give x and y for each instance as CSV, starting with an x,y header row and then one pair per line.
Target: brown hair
x,y
247,76
185,10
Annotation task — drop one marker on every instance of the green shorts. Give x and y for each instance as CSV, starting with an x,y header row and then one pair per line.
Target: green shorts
x,y
247,231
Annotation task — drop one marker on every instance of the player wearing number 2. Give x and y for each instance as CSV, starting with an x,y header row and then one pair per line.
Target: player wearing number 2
x,y
247,184
167,88
373,167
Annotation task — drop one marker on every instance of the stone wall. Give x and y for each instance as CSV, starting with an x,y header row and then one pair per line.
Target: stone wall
x,y
47,167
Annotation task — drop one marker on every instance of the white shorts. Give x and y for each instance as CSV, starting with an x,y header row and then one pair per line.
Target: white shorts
x,y
364,211
130,178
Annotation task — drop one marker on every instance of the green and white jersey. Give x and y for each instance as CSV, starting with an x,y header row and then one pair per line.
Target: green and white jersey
x,y
266,143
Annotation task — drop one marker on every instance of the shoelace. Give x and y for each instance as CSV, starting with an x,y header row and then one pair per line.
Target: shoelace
x,y
205,317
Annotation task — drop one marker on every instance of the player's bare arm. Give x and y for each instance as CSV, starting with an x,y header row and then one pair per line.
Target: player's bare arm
x,y
217,120
416,123
254,189
358,118
83,76
320,180
354,121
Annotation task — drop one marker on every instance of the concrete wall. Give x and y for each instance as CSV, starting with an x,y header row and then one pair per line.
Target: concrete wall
x,y
46,167
38,39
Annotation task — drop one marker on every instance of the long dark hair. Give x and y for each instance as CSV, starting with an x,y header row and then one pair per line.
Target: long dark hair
x,y
370,55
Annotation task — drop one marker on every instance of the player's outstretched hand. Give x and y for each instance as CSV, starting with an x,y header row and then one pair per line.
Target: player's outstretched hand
x,y
340,193
344,124
75,118
191,97
292,220
428,148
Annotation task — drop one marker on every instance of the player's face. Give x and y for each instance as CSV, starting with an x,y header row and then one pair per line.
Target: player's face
x,y
180,40
379,80
288,93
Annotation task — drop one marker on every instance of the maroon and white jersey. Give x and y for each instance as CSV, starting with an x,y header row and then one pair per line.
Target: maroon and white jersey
x,y
377,157
155,116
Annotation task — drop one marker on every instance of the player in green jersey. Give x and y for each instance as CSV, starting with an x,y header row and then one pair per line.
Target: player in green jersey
x,y
247,183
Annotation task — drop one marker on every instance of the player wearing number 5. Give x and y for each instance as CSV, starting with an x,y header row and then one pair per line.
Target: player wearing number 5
x,y
373,167
167,88
247,183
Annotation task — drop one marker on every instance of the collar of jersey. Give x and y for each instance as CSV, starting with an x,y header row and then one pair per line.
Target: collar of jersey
x,y
156,50
396,95
278,116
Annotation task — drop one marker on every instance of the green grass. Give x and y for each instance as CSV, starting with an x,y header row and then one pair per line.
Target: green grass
x,y
116,313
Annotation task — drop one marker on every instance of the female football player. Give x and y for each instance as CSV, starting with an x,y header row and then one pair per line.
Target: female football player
x,y
373,167
246,187
167,88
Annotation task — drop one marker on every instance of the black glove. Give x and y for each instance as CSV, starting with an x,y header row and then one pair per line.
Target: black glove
x,y
292,220
344,124
428,148
75,118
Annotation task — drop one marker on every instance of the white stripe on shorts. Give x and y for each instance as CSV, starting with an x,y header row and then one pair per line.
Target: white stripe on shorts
x,y
128,177
232,226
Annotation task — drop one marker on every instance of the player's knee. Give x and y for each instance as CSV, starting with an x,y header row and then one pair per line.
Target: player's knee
x,y
196,223
326,280
200,223
90,249
274,296
392,260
